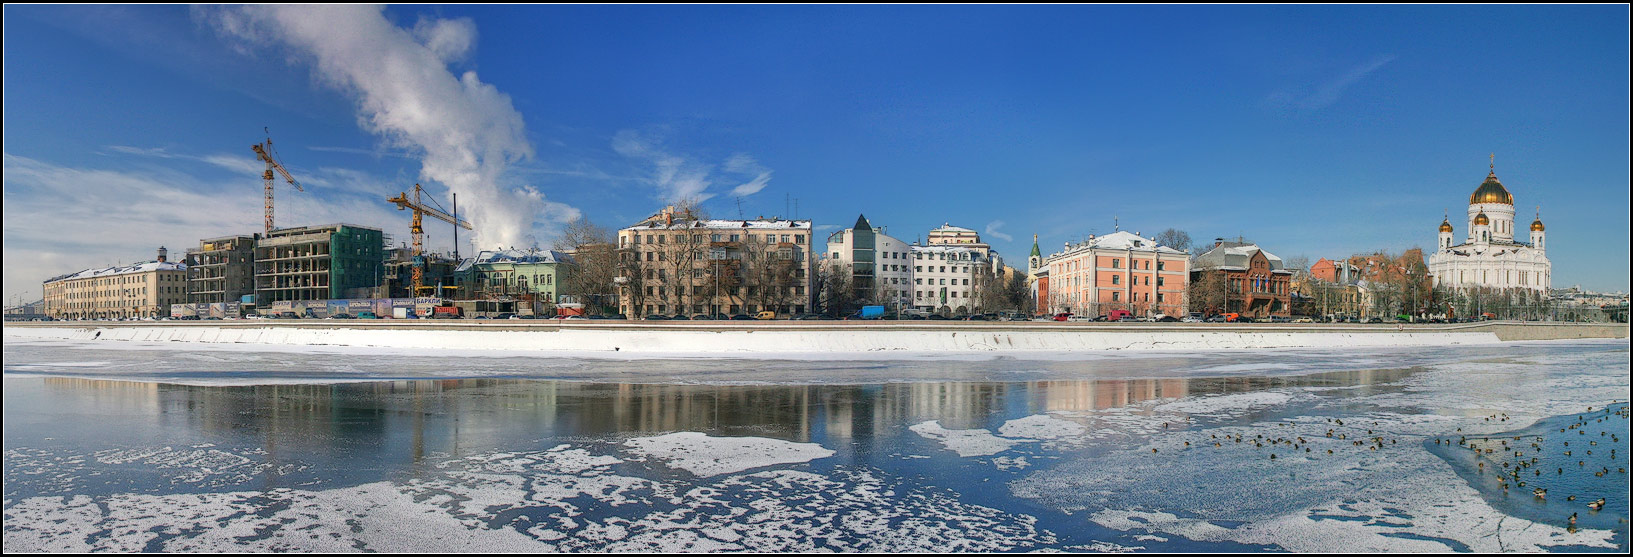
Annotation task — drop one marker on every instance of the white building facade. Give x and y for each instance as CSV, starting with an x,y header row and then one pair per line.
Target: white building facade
x,y
880,266
1490,256
954,271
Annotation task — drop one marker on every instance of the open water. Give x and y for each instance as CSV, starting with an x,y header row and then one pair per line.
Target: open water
x,y
108,448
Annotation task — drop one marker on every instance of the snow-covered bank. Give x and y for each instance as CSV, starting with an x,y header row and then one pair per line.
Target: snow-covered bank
x,y
757,341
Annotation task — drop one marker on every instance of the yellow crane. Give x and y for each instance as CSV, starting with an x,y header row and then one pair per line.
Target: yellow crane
x,y
420,210
264,152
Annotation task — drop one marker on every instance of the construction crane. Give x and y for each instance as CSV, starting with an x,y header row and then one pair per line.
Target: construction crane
x,y
264,152
420,210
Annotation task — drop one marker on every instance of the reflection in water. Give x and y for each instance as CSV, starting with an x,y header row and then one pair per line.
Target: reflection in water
x,y
418,417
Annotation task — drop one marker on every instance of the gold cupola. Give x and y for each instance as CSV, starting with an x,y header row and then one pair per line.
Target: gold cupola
x,y
1481,219
1536,225
1446,225
1491,191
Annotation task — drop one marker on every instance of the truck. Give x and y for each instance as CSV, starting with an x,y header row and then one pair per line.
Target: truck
x,y
1119,315
445,312
870,312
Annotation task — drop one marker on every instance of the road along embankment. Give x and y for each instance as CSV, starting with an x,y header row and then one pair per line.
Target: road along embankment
x,y
740,338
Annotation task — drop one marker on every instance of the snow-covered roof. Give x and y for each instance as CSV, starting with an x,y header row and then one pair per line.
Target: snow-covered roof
x,y
722,224
514,256
1234,256
1120,241
951,228
143,267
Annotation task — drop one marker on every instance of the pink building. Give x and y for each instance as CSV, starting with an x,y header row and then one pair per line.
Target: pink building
x,y
1119,271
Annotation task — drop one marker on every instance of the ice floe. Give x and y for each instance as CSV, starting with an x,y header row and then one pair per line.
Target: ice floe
x,y
704,456
965,442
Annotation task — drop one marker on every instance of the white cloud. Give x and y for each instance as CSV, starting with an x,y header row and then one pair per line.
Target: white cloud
x,y
992,230
467,132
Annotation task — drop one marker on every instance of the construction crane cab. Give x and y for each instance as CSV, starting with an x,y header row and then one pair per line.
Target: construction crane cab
x,y
418,230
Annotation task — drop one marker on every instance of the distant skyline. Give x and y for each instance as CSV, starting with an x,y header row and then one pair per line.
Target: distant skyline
x,y
1321,131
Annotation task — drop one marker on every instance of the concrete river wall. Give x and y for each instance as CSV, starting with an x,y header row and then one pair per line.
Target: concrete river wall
x,y
743,338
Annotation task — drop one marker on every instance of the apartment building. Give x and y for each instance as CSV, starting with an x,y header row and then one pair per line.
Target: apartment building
x,y
1118,271
676,262
141,290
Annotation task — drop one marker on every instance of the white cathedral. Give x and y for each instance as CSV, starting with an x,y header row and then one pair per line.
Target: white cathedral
x,y
1490,256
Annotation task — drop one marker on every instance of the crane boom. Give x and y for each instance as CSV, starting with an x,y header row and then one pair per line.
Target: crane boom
x,y
420,210
263,152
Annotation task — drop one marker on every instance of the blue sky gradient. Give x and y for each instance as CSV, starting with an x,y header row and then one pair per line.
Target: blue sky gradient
x,y
1316,131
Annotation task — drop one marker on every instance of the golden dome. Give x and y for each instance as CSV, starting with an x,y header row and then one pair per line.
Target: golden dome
x,y
1536,225
1481,219
1445,226
1491,191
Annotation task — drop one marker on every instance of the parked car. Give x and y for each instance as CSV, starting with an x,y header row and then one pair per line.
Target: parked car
x,y
1062,316
341,316
765,315
506,315
1168,319
655,317
1304,320
680,318
702,317
288,315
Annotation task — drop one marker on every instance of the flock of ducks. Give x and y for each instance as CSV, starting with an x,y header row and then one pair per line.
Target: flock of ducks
x,y
1516,466
1514,463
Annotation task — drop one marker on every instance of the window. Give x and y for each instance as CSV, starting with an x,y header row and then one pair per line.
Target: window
x,y
1114,296
1116,264
1116,279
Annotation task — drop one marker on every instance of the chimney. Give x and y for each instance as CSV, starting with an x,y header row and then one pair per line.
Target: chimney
x,y
163,254
1218,241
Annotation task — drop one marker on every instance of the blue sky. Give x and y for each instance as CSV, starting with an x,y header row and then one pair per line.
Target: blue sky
x,y
1316,131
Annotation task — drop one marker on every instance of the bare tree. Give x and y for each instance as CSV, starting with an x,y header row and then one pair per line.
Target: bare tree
x,y
1174,238
594,265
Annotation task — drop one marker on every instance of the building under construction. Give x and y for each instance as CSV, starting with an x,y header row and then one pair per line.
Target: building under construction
x,y
221,269
317,263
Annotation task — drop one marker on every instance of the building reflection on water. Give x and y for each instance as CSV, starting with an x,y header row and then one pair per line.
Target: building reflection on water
x,y
452,416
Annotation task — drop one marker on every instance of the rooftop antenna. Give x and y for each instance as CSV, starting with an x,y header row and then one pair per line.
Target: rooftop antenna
x,y
1114,224
739,207
785,200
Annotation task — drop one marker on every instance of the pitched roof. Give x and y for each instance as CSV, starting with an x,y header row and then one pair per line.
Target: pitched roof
x,y
1233,255
143,267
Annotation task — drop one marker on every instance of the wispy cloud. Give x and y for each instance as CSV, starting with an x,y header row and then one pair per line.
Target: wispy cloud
x,y
741,163
679,177
235,163
60,219
992,230
675,177
466,132
1325,94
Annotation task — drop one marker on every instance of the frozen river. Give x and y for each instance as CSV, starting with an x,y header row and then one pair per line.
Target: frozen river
x,y
223,448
